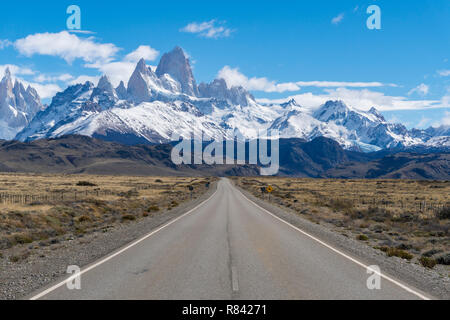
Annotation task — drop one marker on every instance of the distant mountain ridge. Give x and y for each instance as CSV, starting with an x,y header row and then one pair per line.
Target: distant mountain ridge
x,y
155,105
319,158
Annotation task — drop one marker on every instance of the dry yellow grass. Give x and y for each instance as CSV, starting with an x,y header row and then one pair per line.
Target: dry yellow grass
x,y
405,214
42,207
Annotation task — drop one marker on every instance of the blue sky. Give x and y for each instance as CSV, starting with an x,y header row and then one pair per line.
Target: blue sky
x,y
311,50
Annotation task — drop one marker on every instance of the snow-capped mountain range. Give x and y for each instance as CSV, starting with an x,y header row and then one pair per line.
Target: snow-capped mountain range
x,y
156,104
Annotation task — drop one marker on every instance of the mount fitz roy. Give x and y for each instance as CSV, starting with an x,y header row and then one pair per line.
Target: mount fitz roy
x,y
155,105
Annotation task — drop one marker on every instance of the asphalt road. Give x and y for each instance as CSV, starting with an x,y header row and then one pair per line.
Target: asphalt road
x,y
228,248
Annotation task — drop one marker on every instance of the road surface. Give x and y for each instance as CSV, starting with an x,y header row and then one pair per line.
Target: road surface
x,y
228,248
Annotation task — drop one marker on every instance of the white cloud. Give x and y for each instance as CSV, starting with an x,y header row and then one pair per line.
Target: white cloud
x,y
423,123
234,77
67,46
83,78
331,84
4,43
362,99
46,78
421,89
15,70
146,52
116,71
121,70
338,19
444,73
44,90
82,31
446,119
208,29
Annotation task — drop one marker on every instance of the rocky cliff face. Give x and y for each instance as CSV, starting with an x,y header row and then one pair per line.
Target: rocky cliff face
x,y
17,106
176,64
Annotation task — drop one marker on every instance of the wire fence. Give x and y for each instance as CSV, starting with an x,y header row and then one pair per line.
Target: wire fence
x,y
7,198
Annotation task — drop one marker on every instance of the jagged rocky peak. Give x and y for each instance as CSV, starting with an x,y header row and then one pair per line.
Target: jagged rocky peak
x,y
177,65
332,110
105,84
290,103
74,92
218,89
6,85
121,91
17,105
7,73
104,94
16,96
143,84
7,80
377,114
141,67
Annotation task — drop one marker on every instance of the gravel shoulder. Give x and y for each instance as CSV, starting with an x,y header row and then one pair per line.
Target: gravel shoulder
x,y
48,264
431,282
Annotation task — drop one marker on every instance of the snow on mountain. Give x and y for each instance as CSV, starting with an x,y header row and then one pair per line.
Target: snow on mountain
x,y
66,107
218,89
17,106
365,129
155,105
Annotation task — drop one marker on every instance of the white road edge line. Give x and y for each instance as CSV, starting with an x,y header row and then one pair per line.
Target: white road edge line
x,y
338,251
56,286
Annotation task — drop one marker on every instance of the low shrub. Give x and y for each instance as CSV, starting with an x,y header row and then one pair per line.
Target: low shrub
x,y
341,204
153,208
444,259
22,238
444,213
86,184
14,258
394,252
128,217
362,237
84,218
427,262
